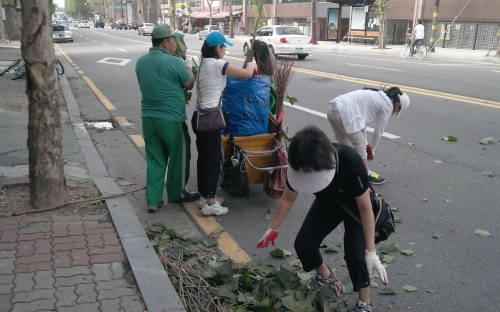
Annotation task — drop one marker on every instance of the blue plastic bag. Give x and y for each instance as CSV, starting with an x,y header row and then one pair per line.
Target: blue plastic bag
x,y
245,105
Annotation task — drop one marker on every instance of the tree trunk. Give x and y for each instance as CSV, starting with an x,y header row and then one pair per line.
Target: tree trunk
x,y
210,12
383,24
313,22
498,51
46,164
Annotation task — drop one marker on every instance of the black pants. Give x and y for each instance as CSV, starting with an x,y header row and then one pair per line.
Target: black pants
x,y
209,158
320,221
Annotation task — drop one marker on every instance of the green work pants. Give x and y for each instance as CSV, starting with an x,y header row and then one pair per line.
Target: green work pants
x,y
169,143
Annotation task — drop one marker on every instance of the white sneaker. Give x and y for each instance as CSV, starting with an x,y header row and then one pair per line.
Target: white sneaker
x,y
202,202
214,210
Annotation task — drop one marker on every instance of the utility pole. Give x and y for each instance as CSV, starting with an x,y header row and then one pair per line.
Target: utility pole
x,y
313,22
434,25
231,32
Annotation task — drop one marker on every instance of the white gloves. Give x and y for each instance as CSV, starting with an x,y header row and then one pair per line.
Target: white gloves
x,y
373,263
188,62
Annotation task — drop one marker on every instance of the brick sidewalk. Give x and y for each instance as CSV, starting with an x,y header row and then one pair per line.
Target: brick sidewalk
x,y
64,263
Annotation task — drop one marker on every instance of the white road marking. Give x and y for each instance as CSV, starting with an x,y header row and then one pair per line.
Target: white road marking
x,y
114,61
94,40
121,49
87,39
496,71
106,44
373,67
310,111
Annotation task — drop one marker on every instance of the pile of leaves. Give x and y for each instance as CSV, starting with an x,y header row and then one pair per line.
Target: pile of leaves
x,y
206,281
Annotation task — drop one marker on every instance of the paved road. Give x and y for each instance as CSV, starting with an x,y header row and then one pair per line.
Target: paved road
x,y
418,164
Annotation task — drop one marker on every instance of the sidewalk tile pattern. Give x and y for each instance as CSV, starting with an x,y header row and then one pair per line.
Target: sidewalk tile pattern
x,y
63,263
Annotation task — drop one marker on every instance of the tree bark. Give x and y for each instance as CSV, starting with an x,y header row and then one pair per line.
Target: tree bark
x,y
46,164
498,50
383,23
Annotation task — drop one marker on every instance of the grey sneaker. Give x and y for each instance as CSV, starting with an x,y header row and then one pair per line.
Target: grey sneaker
x,y
375,178
319,281
156,207
362,306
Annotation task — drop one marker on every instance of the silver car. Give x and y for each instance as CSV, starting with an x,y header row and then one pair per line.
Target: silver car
x,y
206,30
146,29
61,33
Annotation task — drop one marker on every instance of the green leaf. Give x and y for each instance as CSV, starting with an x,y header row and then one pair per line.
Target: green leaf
x,y
245,298
430,291
98,202
269,215
225,272
293,305
398,220
156,228
487,173
304,276
387,291
220,229
487,141
246,282
438,161
291,99
437,235
393,247
241,309
388,258
450,138
330,248
394,209
419,266
226,291
280,253
287,279
410,288
482,233
373,284
407,252
209,242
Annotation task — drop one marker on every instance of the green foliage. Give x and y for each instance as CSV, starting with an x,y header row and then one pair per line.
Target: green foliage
x,y
257,6
253,286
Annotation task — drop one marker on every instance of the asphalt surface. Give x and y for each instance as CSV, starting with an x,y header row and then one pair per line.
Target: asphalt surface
x,y
461,266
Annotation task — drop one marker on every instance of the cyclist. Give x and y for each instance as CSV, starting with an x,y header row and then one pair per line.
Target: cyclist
x,y
417,34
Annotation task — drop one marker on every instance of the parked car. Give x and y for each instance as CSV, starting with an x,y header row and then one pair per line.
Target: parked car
x,y
146,29
99,24
84,24
119,25
132,25
283,40
61,33
78,21
206,30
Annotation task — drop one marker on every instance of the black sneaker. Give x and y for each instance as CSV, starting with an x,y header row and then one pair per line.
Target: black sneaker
x,y
156,207
362,306
319,281
375,178
187,197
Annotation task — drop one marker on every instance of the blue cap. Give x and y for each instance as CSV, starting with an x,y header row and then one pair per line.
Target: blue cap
x,y
215,39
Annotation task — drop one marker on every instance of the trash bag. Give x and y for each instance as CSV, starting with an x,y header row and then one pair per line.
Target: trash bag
x,y
245,104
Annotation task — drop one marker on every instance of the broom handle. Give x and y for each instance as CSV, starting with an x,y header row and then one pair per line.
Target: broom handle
x,y
251,55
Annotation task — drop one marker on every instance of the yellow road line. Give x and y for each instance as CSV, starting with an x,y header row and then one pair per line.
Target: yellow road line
x,y
80,72
225,242
122,121
104,100
76,67
138,140
63,53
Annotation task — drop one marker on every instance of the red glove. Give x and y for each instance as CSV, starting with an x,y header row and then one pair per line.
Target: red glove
x,y
369,152
269,236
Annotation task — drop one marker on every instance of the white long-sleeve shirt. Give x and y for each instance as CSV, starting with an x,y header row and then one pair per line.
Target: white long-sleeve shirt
x,y
360,107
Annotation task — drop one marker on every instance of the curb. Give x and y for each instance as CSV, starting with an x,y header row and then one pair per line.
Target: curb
x,y
154,284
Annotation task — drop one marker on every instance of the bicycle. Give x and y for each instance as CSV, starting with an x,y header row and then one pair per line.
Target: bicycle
x,y
420,48
20,69
10,66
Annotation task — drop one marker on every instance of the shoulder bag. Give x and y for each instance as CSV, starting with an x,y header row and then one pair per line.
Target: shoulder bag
x,y
385,224
208,119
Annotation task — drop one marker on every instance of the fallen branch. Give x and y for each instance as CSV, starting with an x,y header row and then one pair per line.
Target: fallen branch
x,y
76,202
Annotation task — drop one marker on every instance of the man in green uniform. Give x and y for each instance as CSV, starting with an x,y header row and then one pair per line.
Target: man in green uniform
x,y
162,79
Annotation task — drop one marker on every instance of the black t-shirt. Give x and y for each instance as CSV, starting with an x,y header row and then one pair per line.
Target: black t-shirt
x,y
349,182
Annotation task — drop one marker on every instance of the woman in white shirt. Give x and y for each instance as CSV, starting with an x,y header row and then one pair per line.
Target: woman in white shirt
x,y
211,82
349,113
